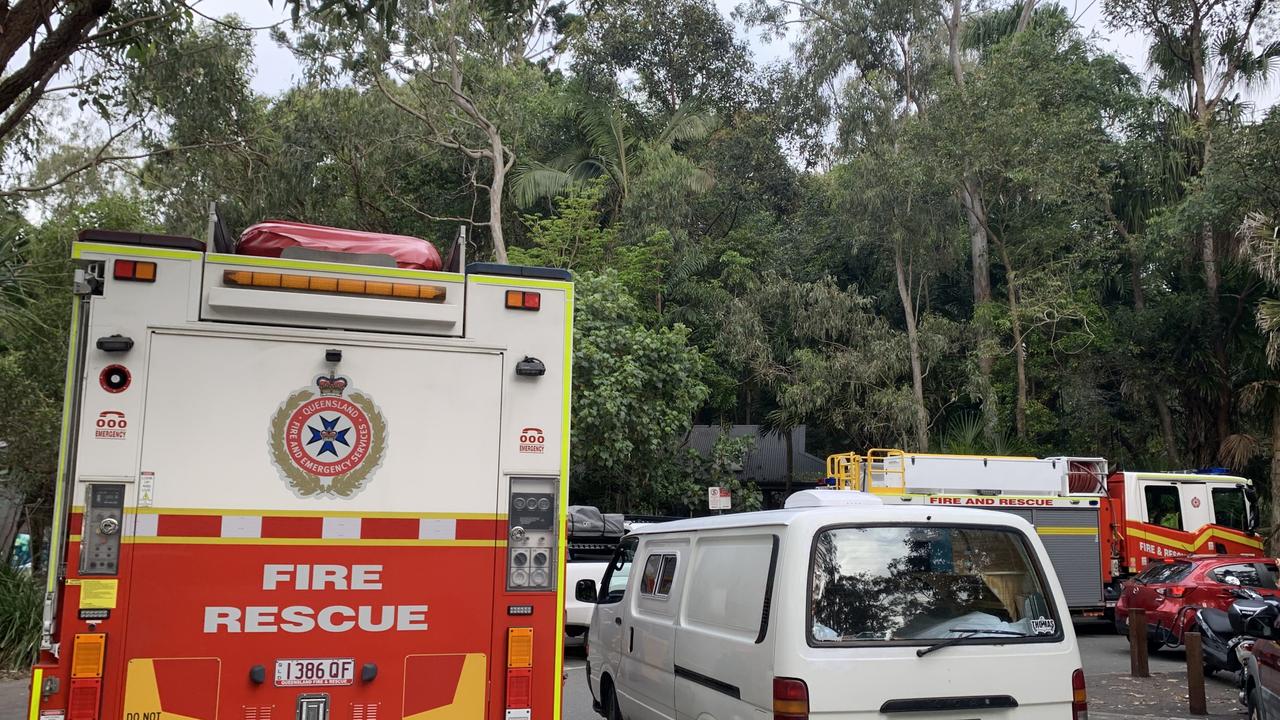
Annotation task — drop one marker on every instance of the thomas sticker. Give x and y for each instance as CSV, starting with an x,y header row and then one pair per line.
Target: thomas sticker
x,y
1044,626
327,439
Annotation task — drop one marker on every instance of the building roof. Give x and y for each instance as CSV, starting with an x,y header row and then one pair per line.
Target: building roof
x,y
766,462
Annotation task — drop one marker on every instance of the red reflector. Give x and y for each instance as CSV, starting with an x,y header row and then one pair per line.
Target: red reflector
x,y
790,699
1079,697
520,688
532,301
82,702
123,270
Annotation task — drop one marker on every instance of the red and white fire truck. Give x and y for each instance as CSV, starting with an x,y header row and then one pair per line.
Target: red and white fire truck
x,y
312,486
1099,527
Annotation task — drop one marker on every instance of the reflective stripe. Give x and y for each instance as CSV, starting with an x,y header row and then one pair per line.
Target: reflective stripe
x,y
1200,539
1040,530
79,249
37,684
537,283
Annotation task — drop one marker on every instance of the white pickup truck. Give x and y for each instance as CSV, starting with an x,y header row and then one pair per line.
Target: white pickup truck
x,y
592,538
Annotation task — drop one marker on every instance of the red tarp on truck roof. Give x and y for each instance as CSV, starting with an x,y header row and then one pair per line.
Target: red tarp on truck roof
x,y
270,238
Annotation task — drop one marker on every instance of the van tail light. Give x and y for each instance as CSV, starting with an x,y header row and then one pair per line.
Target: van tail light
x,y
1079,697
790,699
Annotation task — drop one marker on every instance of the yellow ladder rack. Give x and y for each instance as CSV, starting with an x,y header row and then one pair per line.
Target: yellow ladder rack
x,y
846,468
892,480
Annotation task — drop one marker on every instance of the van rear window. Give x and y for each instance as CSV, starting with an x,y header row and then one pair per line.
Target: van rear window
x,y
918,584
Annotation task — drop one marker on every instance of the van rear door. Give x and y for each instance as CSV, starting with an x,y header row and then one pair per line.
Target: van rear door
x,y
935,620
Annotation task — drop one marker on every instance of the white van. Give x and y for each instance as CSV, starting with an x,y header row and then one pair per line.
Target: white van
x,y
836,607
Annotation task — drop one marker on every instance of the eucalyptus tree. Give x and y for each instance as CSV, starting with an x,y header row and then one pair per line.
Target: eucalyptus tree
x,y
901,54
467,73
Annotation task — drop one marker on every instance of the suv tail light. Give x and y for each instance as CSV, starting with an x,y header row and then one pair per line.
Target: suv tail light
x,y
1079,697
790,699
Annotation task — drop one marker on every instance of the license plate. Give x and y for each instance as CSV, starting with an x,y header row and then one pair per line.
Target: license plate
x,y
315,671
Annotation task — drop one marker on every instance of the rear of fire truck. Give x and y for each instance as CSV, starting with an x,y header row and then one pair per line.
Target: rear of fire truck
x,y
1063,497
307,489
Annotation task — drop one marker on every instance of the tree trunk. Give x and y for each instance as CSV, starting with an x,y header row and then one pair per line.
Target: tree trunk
x,y
10,521
36,526
1140,307
496,188
913,340
981,266
791,460
1166,428
1019,350
1272,544
1028,9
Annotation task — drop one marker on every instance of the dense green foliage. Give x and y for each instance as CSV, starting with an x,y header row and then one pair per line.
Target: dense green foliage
x,y
21,604
942,225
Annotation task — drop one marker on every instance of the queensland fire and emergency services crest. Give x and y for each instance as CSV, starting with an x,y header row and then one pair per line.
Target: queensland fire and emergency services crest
x,y
327,438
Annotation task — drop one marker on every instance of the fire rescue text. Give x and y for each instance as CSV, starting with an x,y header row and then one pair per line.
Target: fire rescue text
x,y
304,618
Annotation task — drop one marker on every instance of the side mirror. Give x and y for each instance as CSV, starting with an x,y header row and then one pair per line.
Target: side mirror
x,y
585,591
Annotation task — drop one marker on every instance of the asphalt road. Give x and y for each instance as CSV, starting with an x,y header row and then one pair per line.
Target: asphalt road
x,y
1104,653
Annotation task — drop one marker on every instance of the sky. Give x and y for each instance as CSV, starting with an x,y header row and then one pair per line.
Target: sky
x,y
276,68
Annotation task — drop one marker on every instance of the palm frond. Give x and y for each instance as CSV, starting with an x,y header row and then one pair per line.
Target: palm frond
x,y
688,123
531,182
1237,450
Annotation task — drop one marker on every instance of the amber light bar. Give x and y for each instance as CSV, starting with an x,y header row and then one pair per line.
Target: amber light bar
x,y
342,286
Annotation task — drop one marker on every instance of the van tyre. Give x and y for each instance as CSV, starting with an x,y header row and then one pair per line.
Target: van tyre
x,y
610,705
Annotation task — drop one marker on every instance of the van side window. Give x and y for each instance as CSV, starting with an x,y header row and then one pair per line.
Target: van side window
x,y
613,587
649,580
659,574
667,576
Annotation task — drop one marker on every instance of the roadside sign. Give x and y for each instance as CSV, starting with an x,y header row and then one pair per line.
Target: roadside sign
x,y
718,498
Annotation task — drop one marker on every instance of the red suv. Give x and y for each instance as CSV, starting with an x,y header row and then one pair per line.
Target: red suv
x,y
1168,591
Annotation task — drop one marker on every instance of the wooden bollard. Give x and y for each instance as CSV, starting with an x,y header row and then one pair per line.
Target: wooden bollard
x,y
1195,674
1138,665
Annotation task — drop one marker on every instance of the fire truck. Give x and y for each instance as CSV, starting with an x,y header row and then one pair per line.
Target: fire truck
x,y
1100,527
317,486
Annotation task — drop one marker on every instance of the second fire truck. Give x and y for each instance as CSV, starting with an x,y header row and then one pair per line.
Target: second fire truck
x,y
1100,527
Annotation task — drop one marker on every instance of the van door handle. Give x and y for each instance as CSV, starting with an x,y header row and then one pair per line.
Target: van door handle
x,y
617,621
631,642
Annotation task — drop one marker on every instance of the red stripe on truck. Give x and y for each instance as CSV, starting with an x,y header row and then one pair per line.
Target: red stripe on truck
x,y
292,527
189,525
375,528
